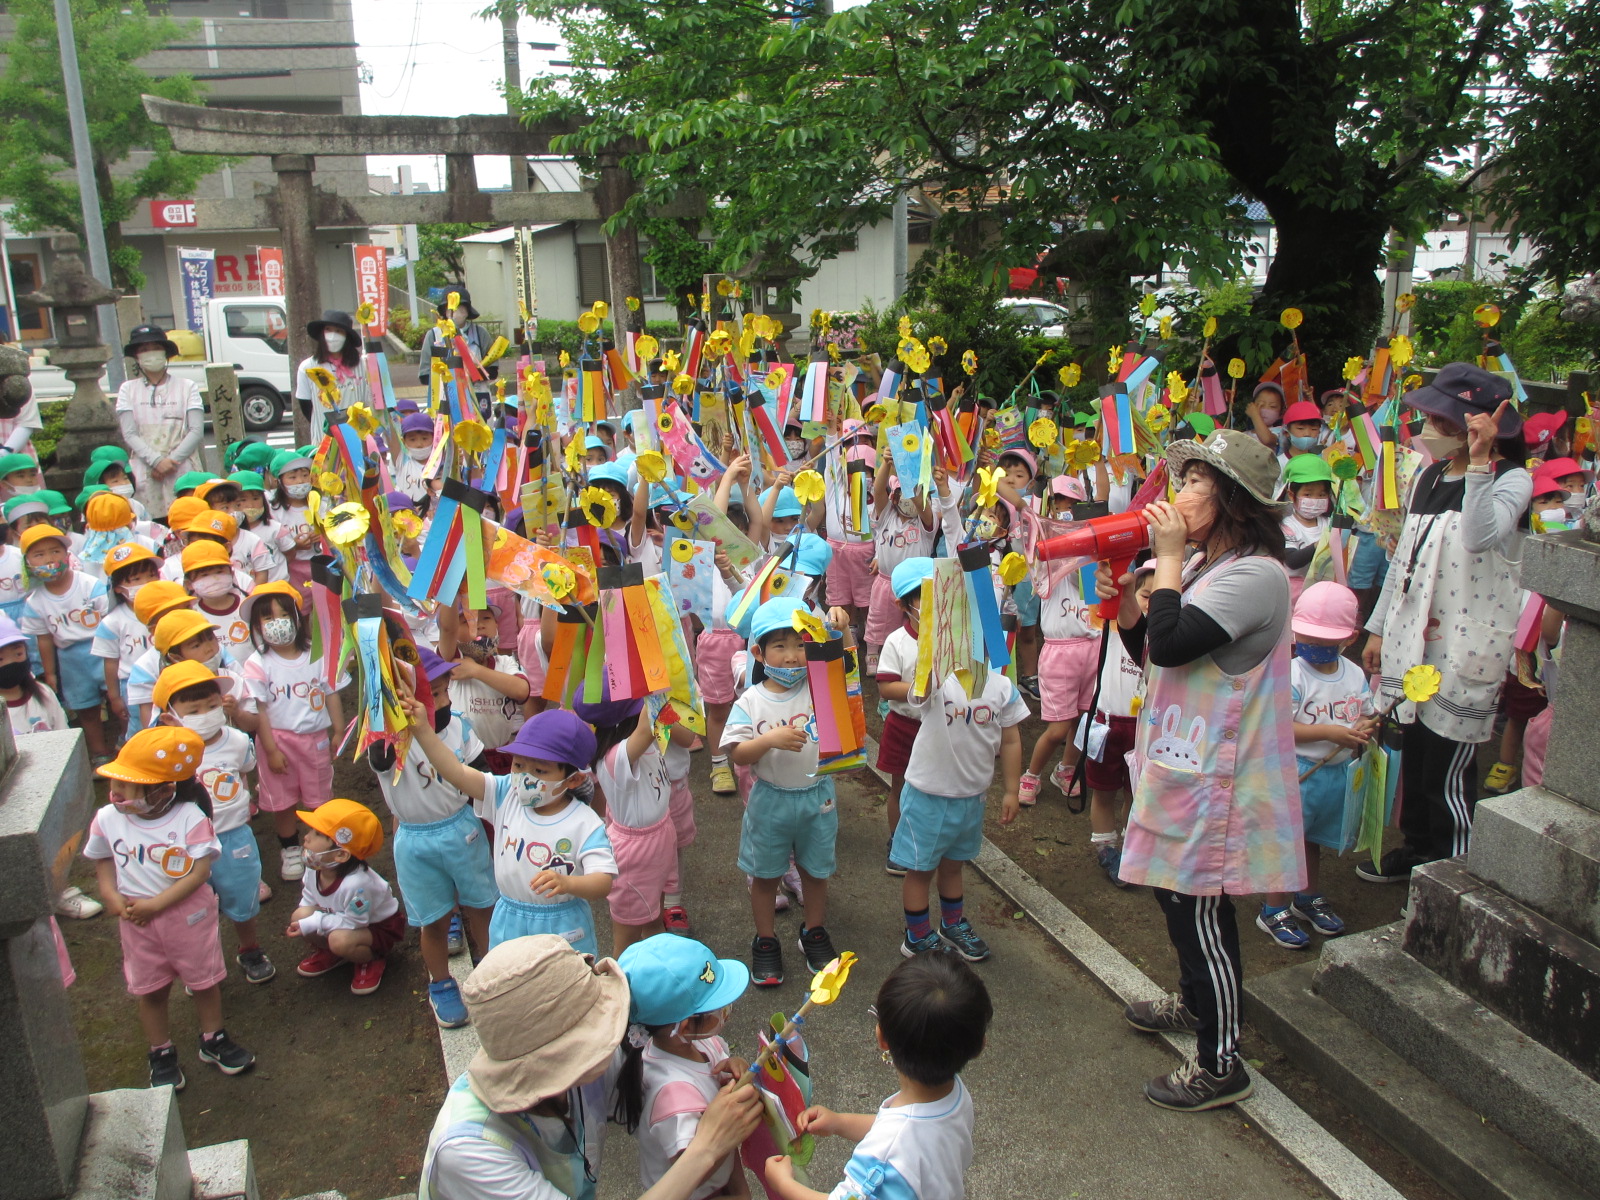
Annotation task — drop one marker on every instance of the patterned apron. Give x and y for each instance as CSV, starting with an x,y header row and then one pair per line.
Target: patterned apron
x,y
1216,805
160,415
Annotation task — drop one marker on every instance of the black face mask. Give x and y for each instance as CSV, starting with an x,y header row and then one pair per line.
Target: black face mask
x,y
441,718
15,674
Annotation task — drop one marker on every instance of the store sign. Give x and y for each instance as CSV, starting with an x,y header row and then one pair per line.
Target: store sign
x,y
372,286
173,214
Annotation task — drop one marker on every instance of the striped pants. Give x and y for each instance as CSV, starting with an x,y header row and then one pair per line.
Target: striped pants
x,y
1439,790
1205,934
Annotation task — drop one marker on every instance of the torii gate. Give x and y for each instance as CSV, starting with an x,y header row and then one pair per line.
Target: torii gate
x,y
293,140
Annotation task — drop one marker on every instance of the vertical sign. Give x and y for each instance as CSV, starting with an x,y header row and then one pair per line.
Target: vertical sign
x,y
271,269
372,286
199,271
527,297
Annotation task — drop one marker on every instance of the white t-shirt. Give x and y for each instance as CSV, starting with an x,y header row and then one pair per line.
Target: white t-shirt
x,y
898,661
69,617
250,553
418,796
172,572
1063,615
1119,680
147,668
292,524
12,592
1342,698
290,691
916,1150
676,1092
231,629
151,854
760,709
637,793
1297,537
41,715
570,842
361,898
897,538
269,533
955,757
121,636
407,477
224,772
677,760
494,716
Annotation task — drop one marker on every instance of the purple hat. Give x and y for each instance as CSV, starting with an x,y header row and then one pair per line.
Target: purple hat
x,y
432,665
555,735
404,407
604,711
398,501
416,423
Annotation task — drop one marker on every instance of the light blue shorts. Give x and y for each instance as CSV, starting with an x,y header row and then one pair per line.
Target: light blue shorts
x,y
1027,602
1369,564
441,864
779,822
571,919
934,828
236,874
1322,804
82,676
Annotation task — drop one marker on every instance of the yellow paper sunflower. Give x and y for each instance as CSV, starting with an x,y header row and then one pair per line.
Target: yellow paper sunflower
x,y
1159,417
1236,368
362,419
599,506
406,523
1013,569
1114,360
1042,432
808,487
911,443
473,437
646,346
1291,318
969,362
559,578
1209,329
633,303
588,322
1421,683
1071,374
987,488
1352,367
601,310
937,345
1400,350
366,313
330,484
682,550
446,328
346,524
652,466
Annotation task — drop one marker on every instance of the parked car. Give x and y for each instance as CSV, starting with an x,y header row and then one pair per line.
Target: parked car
x,y
251,332
1041,316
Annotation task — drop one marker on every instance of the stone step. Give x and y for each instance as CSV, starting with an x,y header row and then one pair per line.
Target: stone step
x,y
1536,974
1542,849
1531,1092
133,1148
224,1172
1452,1143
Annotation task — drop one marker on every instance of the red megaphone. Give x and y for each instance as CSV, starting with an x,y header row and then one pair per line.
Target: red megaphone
x,y
1113,539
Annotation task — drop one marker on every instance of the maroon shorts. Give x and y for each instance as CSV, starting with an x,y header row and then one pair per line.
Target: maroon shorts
x,y
388,933
1521,702
894,747
1111,772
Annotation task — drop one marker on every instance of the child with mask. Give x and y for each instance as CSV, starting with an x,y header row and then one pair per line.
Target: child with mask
x,y
1265,412
1309,480
62,611
211,577
416,437
298,539
121,637
253,515
161,416
1302,426
347,911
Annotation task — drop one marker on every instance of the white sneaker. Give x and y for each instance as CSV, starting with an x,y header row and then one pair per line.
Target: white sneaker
x,y
291,865
73,903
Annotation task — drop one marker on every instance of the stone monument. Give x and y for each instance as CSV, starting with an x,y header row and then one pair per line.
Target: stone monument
x,y
1468,1034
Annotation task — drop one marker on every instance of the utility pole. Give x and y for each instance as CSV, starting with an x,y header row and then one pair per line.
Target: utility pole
x,y
407,187
94,226
510,47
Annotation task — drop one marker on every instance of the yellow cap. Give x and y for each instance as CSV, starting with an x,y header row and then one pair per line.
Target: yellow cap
x,y
186,674
125,554
219,524
106,511
197,555
163,754
158,598
178,627
351,826
185,509
31,537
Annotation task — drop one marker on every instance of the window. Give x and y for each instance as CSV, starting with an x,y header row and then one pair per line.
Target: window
x,y
25,278
594,280
648,282
262,321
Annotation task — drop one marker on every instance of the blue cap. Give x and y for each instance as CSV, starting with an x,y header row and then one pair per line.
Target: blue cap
x,y
593,443
673,978
908,576
774,615
812,557
788,504
556,735
661,498
609,472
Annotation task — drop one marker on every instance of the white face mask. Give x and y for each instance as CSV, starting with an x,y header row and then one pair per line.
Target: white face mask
x,y
323,860
1573,505
796,448
125,490
419,453
206,724
278,631
333,339
214,663
530,791
24,489
1311,509
153,361
298,491
1553,514
212,586
130,591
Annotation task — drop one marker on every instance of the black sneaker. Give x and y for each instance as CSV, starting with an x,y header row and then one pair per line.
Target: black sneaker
x,y
164,1069
256,965
766,962
1166,1015
1028,685
889,863
1192,1088
225,1054
1395,867
817,946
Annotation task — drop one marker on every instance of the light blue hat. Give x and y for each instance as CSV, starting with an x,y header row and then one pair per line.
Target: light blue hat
x,y
673,978
788,504
812,556
908,577
609,472
775,614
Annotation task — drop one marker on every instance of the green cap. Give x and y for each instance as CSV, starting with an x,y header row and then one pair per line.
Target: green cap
x,y
288,460
83,497
306,451
110,452
190,480
17,462
57,502
248,481
1202,425
97,468
252,456
21,506
1307,468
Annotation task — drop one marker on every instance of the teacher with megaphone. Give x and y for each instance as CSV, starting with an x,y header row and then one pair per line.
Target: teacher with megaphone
x,y
1216,803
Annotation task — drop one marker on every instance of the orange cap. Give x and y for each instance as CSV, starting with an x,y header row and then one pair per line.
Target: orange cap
x,y
186,674
178,627
205,489
30,537
163,754
106,511
203,554
158,598
219,524
125,554
185,509
352,826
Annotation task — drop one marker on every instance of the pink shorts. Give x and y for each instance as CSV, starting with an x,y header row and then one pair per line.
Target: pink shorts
x,y
883,613
1066,677
713,664
850,573
182,943
681,808
647,867
528,659
308,781
1535,744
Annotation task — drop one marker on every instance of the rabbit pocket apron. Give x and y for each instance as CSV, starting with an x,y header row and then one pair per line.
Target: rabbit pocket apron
x,y
1216,806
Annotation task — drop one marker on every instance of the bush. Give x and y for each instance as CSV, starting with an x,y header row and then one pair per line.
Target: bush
x,y
1540,343
54,413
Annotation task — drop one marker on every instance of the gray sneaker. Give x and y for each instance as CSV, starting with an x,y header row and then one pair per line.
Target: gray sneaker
x,y
257,966
1166,1015
1192,1088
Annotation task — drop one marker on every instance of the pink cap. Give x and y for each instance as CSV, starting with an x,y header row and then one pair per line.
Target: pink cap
x,y
1026,457
1068,486
1547,480
1541,427
1326,610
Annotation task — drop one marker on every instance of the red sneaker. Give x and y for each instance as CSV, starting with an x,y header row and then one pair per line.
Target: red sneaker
x,y
676,920
319,962
368,976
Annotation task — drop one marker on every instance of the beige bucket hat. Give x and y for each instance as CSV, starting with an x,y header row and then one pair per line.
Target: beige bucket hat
x,y
545,1020
1239,455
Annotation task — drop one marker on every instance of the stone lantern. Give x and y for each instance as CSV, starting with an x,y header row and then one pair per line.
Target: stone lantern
x,y
73,298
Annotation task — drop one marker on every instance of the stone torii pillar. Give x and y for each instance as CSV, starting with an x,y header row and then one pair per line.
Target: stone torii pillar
x,y
302,288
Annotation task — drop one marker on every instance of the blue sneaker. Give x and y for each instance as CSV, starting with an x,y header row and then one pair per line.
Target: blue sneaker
x,y
1315,910
448,1009
961,938
910,947
1280,927
1110,859
455,940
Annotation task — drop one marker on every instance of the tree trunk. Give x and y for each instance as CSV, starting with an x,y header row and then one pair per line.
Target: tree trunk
x,y
622,246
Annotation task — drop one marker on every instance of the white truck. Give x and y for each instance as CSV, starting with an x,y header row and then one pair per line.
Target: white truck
x,y
251,332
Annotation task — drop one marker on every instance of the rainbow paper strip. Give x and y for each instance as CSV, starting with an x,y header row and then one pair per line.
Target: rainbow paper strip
x,y
813,400
327,631
614,620
617,372
694,344
1116,421
889,385
591,405
1367,440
